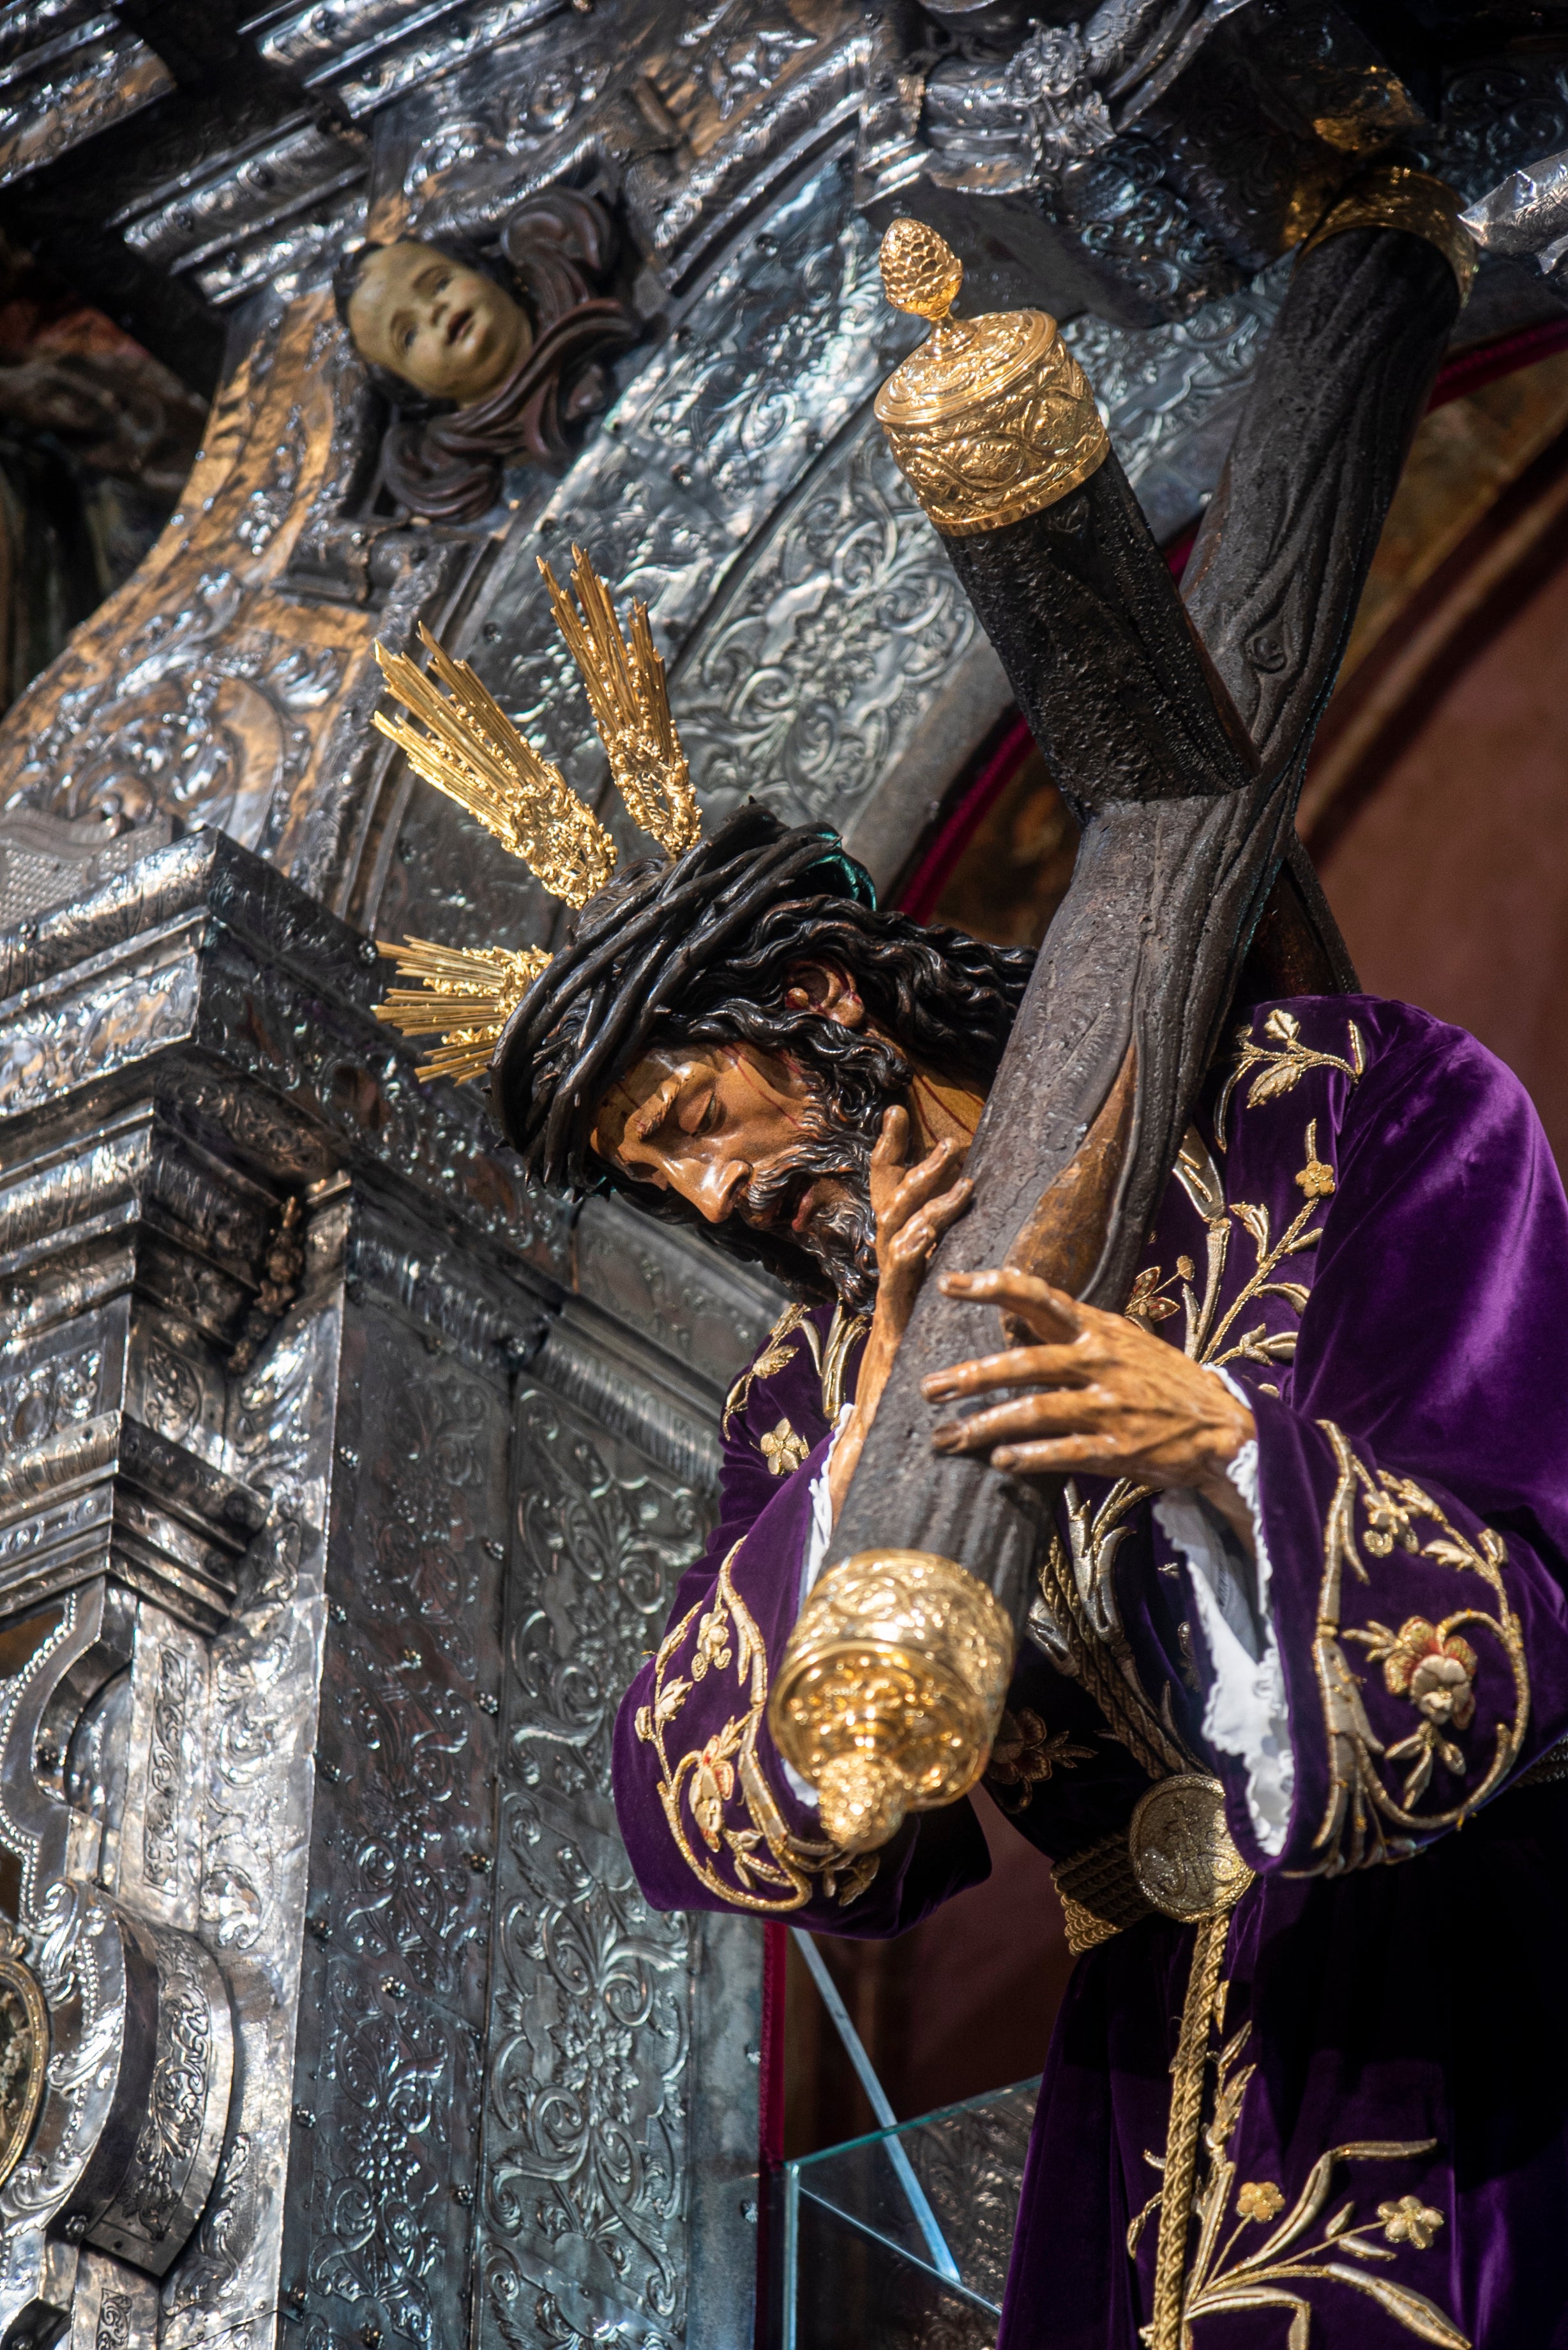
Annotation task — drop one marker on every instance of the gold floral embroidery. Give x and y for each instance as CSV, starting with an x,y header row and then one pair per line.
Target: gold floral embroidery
x,y
1076,1620
1146,1303
783,1450
769,1870
1282,1061
713,1785
1410,2221
831,1358
1025,1754
1428,1663
1212,1338
1241,2273
842,1333
781,1347
1436,1670
1316,1180
712,1646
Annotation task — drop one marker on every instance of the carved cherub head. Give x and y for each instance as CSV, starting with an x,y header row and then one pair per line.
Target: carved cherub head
x,y
487,359
441,326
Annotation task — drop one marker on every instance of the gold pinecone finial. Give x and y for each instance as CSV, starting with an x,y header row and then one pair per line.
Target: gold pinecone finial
x,y
920,271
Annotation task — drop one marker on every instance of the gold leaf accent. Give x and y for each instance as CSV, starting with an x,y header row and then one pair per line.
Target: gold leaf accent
x,y
1396,195
1364,1821
465,997
783,1450
1281,1061
920,271
766,1868
988,418
630,703
474,753
891,1690
778,1350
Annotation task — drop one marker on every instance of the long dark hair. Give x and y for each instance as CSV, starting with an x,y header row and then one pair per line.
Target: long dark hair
x,y
702,950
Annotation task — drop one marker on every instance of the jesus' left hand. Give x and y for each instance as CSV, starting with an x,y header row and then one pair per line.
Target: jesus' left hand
x,y
1103,1398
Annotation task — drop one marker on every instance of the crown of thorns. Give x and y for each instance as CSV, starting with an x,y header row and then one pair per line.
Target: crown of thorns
x,y
641,936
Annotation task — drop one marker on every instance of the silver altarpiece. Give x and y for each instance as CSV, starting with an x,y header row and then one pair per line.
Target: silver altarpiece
x,y
344,1479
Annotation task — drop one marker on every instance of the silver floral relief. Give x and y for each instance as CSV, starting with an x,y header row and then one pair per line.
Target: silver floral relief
x,y
58,1037
1497,115
384,2229
178,2109
364,1088
202,716
773,360
813,673
28,1854
402,1840
584,2199
709,1312
1168,393
159,1840
49,1392
171,1707
265,1677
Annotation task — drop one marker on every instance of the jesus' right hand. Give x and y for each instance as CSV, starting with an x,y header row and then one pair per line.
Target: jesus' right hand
x,y
913,1207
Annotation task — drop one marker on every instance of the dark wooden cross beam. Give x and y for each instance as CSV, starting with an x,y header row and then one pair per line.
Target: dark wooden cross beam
x,y
1178,732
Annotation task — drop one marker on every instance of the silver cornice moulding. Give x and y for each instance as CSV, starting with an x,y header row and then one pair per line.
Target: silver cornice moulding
x,y
59,91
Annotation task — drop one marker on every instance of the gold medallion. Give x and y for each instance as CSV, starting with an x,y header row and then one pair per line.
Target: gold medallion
x,y
23,2057
1181,1852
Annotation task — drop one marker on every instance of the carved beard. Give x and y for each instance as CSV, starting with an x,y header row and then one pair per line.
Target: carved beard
x,y
842,1233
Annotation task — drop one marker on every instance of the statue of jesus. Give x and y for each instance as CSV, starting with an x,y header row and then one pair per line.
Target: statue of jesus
x,y
1305,1485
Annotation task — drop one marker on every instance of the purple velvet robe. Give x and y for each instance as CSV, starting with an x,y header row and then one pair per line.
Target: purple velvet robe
x,y
1369,1233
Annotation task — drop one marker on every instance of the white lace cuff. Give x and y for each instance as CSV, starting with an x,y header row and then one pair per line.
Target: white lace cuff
x,y
1246,1714
813,1560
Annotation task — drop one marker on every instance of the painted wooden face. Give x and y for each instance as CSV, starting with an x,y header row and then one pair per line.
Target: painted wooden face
x,y
705,1121
448,331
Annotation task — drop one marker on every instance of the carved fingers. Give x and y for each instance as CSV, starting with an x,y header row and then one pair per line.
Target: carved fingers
x,y
1100,1397
913,1206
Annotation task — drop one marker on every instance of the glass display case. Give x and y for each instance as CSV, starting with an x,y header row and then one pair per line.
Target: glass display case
x,y
899,2240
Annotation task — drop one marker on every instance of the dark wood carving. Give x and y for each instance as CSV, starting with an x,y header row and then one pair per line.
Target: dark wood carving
x,y
1180,733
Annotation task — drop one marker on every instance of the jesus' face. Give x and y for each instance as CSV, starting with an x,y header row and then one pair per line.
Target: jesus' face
x,y
735,1132
777,1142
450,332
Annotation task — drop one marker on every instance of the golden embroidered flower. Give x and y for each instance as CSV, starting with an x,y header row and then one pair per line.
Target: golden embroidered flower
x,y
713,1784
1388,1521
1410,2221
1316,1180
1146,1304
783,1450
1025,1752
1260,2199
712,1644
1434,1670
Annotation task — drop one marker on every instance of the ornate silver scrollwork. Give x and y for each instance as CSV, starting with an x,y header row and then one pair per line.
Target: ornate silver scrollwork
x,y
140,2055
